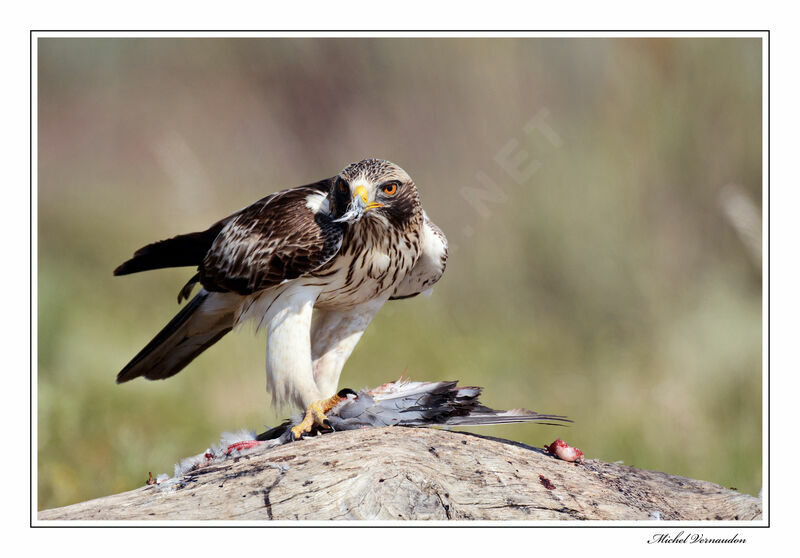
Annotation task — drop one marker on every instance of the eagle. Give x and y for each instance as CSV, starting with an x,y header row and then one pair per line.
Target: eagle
x,y
312,266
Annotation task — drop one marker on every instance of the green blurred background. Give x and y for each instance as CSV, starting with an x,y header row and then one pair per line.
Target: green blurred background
x,y
598,196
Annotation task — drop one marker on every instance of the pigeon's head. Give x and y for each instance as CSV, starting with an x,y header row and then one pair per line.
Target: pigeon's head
x,y
374,189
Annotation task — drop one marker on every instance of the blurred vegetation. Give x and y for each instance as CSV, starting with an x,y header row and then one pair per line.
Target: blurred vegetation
x,y
608,285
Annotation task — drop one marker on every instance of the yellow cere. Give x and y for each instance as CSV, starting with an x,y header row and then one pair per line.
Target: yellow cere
x,y
361,191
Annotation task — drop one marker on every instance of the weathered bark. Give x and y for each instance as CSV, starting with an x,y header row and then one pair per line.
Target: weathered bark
x,y
400,473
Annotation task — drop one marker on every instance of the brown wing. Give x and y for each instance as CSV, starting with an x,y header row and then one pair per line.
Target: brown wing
x,y
275,239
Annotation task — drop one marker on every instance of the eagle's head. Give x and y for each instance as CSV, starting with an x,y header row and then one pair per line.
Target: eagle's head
x,y
377,190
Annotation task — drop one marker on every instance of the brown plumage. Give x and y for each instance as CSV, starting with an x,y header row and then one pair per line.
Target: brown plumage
x,y
271,241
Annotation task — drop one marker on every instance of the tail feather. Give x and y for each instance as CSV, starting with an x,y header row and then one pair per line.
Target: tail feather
x,y
200,324
179,251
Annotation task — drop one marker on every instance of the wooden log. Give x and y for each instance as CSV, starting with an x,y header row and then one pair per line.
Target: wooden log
x,y
403,473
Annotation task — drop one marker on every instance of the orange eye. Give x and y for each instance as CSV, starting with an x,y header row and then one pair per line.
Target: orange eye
x,y
342,186
390,189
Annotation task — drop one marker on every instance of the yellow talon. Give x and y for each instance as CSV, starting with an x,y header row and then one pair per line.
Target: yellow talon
x,y
315,415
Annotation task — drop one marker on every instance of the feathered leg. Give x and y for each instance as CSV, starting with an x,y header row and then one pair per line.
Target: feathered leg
x,y
334,335
290,373
290,376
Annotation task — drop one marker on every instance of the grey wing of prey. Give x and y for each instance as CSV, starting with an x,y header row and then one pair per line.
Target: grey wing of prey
x,y
405,403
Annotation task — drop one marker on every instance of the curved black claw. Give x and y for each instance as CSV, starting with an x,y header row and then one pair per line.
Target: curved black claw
x,y
345,392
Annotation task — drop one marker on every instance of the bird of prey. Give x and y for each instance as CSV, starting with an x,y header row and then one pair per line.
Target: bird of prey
x,y
336,251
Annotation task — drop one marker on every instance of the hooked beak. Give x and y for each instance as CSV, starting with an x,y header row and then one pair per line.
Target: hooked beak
x,y
359,205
